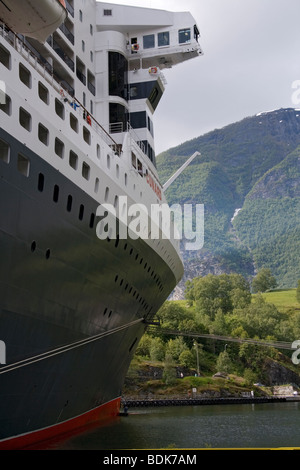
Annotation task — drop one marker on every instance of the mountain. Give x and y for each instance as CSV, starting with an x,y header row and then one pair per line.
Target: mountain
x,y
248,178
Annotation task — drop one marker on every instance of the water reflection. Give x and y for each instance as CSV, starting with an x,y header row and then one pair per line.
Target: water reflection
x,y
217,426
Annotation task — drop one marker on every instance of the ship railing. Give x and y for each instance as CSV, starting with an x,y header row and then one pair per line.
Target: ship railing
x,y
61,53
120,127
61,86
67,33
135,138
69,8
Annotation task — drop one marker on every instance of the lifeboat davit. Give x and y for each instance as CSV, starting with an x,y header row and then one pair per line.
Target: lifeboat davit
x,y
34,18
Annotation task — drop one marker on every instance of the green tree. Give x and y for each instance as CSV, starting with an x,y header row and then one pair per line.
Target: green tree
x,y
263,281
224,363
175,347
169,372
170,315
157,349
187,359
214,293
144,346
250,377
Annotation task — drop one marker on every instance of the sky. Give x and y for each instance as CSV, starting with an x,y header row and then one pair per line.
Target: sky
x,y
251,63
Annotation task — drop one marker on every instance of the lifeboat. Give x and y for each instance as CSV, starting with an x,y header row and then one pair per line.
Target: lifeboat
x,y
34,18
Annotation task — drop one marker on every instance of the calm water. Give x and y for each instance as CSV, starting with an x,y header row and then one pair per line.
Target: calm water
x,y
217,426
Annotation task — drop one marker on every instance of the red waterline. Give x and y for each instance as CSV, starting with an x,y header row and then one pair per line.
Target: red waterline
x,y
103,413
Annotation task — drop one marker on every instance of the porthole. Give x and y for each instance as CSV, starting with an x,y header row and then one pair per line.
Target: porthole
x,y
92,220
69,203
41,182
55,193
81,211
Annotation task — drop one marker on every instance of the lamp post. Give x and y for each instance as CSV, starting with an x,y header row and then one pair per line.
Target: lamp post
x,y
196,346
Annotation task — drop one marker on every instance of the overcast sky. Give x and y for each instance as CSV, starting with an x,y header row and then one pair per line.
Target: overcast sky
x,y
251,60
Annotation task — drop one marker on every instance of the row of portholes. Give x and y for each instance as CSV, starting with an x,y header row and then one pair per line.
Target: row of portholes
x,y
141,261
129,289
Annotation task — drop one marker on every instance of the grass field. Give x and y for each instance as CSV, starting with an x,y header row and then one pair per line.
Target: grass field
x,y
283,299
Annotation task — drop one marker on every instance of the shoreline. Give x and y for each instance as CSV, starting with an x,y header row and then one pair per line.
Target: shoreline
x,y
131,403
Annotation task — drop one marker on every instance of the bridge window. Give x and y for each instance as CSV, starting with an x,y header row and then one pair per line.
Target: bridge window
x,y
184,36
149,41
163,39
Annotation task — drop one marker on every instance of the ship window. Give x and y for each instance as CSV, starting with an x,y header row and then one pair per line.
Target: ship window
x,y
91,83
25,119
59,148
41,181
184,35
125,176
108,161
163,39
117,171
23,165
4,151
69,203
140,168
118,75
80,71
5,103
86,171
149,41
55,193
96,185
59,109
5,57
73,160
81,211
80,15
73,122
43,93
91,29
86,135
25,75
133,159
43,134
106,194
92,220
98,151
107,12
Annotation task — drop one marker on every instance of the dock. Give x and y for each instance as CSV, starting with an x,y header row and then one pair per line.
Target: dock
x,y
129,403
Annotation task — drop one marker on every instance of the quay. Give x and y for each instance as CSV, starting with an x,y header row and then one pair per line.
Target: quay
x,y
129,403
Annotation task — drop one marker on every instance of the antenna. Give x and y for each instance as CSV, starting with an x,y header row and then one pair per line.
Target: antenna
x,y
178,172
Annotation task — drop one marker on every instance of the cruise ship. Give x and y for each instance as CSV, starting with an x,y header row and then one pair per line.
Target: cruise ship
x,y
80,81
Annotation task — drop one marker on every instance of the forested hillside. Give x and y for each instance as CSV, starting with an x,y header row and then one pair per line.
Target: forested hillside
x,y
253,166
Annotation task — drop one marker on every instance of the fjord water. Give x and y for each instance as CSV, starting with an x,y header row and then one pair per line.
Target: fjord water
x,y
271,425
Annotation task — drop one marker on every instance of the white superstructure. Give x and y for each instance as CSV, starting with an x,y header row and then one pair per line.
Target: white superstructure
x,y
90,92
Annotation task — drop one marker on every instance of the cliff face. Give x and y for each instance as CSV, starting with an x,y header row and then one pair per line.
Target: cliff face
x,y
253,166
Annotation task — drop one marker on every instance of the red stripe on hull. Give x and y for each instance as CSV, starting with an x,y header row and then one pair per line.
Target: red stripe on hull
x,y
102,413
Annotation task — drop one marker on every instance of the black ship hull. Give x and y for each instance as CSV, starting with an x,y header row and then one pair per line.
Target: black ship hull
x,y
72,307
